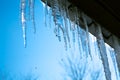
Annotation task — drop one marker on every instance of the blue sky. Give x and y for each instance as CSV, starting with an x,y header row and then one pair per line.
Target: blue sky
x,y
43,51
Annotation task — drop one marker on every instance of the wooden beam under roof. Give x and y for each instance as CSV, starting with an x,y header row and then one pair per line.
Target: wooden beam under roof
x,y
105,12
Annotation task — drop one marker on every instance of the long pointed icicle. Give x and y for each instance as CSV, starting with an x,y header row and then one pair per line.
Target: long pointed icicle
x,y
58,20
103,52
79,41
112,54
46,12
50,11
78,31
23,20
66,32
87,34
68,27
31,13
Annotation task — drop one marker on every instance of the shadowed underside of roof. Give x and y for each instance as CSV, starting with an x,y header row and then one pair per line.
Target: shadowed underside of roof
x,y
105,12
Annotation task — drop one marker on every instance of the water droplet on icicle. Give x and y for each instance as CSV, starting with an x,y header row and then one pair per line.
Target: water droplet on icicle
x,y
23,20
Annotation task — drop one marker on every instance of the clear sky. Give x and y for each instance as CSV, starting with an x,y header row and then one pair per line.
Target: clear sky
x,y
43,52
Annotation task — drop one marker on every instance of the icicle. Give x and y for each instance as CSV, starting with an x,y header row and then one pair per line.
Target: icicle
x,y
65,10
79,41
73,31
58,20
87,35
68,23
112,54
103,52
50,11
57,32
65,41
73,36
23,20
46,8
72,15
68,15
55,12
31,13
67,33
46,12
78,30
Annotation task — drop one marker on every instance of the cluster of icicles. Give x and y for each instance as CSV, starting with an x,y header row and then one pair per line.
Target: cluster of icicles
x,y
23,16
67,18
61,13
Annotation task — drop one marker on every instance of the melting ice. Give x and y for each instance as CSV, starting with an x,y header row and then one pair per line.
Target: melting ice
x,y
78,66
24,16
86,43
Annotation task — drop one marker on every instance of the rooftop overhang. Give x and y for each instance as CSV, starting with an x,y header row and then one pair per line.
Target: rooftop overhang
x,y
105,12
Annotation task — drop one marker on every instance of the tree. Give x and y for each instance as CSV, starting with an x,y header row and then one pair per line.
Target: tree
x,y
79,68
